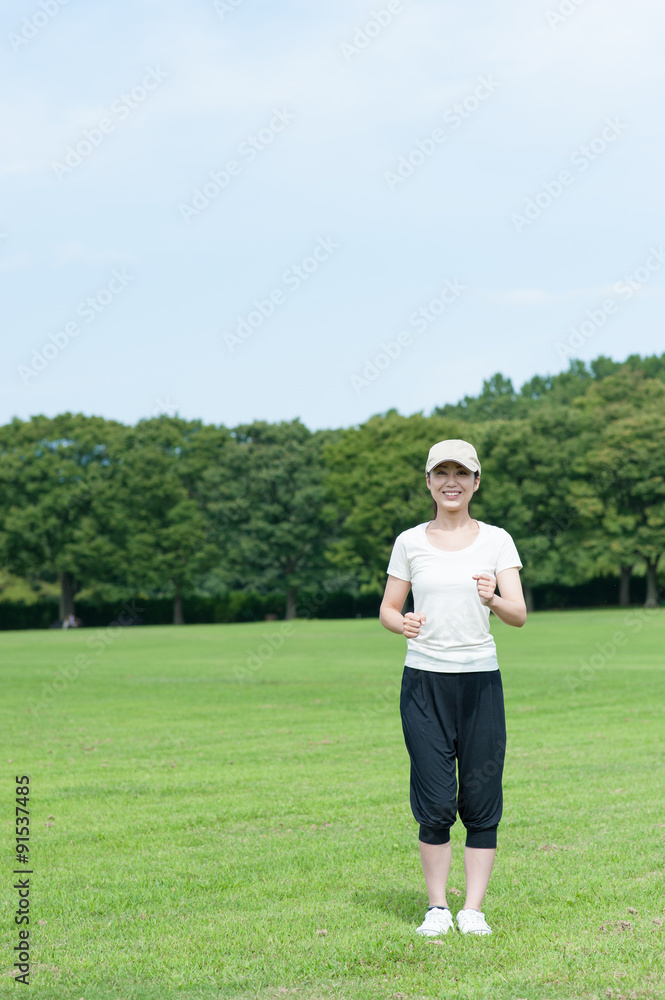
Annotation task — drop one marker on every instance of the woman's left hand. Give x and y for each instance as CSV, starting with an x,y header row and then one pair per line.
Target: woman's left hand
x,y
486,587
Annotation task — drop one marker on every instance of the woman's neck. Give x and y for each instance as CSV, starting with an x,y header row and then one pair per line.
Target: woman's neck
x,y
453,521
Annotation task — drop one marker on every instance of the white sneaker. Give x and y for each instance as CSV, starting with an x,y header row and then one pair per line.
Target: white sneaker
x,y
438,920
472,922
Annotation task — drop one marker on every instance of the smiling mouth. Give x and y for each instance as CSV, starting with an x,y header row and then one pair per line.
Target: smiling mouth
x,y
451,496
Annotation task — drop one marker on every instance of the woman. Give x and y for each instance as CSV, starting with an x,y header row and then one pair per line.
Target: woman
x,y
451,699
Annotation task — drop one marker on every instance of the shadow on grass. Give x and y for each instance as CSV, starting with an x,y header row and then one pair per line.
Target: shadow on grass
x,y
407,906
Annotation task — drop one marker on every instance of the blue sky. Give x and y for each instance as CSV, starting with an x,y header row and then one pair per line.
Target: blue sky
x,y
241,210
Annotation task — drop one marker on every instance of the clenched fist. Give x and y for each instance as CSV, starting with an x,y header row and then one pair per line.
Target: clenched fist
x,y
411,624
486,587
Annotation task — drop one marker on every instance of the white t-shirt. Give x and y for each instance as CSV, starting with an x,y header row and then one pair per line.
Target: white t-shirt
x,y
455,637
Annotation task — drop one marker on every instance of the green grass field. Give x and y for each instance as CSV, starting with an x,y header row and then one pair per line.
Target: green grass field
x,y
213,816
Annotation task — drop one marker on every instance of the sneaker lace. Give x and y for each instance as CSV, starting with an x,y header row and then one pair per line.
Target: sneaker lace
x,y
474,919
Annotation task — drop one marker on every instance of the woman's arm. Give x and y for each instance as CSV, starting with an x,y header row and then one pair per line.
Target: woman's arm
x,y
510,606
390,613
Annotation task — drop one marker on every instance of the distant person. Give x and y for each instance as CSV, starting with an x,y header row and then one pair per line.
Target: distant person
x,y
451,700
71,621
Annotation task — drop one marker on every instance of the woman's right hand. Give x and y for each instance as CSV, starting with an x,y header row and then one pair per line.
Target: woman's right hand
x,y
411,624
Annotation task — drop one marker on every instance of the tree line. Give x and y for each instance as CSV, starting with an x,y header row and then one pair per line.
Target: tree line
x,y
573,466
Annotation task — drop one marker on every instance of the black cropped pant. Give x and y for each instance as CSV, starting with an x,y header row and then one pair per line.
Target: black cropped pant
x,y
454,720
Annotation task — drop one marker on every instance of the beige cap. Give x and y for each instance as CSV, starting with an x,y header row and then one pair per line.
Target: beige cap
x,y
453,450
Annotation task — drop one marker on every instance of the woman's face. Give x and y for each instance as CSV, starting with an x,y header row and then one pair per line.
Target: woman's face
x,y
452,485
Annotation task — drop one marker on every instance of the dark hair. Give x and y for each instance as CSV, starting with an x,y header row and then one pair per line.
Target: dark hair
x,y
436,506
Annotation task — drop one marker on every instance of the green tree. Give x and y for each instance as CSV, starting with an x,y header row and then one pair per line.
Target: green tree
x,y
620,492
527,468
166,543
375,481
497,400
653,366
51,472
268,505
